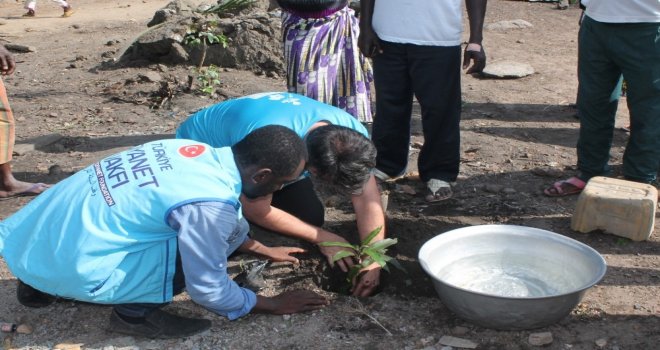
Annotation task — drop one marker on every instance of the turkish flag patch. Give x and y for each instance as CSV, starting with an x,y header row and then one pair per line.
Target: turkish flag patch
x,y
192,151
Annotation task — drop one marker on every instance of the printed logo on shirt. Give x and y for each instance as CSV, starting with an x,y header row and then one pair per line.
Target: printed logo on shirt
x,y
192,151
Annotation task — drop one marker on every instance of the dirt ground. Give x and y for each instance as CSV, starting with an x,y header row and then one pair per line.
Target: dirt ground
x,y
518,136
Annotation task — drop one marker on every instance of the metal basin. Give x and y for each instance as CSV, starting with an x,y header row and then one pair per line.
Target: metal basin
x,y
510,277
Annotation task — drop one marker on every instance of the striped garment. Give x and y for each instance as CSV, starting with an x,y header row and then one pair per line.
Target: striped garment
x,y
324,62
6,127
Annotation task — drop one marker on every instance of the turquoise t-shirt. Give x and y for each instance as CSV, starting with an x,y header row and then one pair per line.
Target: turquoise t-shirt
x,y
226,123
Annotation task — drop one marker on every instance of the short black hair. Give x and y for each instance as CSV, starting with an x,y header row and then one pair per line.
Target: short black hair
x,y
341,156
274,147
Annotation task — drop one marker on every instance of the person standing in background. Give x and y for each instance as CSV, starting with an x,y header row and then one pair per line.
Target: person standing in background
x,y
617,38
321,55
9,186
416,50
31,5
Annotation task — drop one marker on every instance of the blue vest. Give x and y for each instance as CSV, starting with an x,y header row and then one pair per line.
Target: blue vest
x,y
102,235
226,123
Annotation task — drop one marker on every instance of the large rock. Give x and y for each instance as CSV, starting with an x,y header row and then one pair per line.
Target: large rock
x,y
507,70
254,43
253,36
173,9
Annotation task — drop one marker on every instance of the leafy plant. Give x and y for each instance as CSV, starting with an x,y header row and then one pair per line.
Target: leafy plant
x,y
366,253
208,79
204,34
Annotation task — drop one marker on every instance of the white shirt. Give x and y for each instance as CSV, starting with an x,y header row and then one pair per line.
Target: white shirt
x,y
623,11
419,22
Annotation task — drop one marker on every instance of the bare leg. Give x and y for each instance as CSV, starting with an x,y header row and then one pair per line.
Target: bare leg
x,y
9,186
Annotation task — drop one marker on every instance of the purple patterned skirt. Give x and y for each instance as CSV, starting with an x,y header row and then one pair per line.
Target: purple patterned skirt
x,y
324,62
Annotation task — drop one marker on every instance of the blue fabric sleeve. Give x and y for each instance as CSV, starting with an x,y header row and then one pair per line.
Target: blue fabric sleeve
x,y
208,233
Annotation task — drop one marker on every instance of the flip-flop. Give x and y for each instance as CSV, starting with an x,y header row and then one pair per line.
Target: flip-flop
x,y
558,188
31,191
439,190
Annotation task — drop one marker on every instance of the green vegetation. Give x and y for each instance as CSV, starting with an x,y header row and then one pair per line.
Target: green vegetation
x,y
366,253
205,34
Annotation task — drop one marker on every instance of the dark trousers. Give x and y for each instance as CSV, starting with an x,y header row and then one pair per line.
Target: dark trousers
x,y
432,75
606,51
143,309
300,200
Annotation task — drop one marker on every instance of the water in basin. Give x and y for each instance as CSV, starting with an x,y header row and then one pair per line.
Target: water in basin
x,y
508,275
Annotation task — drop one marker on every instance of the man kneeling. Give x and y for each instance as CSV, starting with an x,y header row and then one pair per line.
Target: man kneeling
x,y
137,227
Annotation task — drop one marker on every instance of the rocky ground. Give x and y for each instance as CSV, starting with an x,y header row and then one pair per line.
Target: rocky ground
x,y
76,101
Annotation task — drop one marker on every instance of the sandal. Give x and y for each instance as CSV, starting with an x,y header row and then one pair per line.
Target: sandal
x,y
571,186
439,190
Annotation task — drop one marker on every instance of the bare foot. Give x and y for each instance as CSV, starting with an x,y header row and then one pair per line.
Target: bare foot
x,y
20,188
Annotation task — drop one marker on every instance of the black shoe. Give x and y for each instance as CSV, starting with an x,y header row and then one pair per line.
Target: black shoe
x,y
31,297
160,324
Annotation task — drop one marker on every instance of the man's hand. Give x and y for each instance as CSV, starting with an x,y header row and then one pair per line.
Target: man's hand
x,y
476,54
7,63
329,252
291,302
252,246
283,254
367,281
369,43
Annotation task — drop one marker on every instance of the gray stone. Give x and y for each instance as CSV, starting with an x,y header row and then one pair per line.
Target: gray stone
x,y
508,70
20,48
457,342
250,36
505,25
539,339
177,54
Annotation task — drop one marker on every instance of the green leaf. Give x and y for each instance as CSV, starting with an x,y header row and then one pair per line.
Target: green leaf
x,y
376,256
366,262
383,244
338,244
342,254
371,235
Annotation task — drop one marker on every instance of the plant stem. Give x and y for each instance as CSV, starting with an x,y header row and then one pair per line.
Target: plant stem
x,y
201,61
359,307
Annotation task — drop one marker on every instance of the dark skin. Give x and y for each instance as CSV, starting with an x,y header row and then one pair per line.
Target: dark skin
x,y
259,182
474,53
